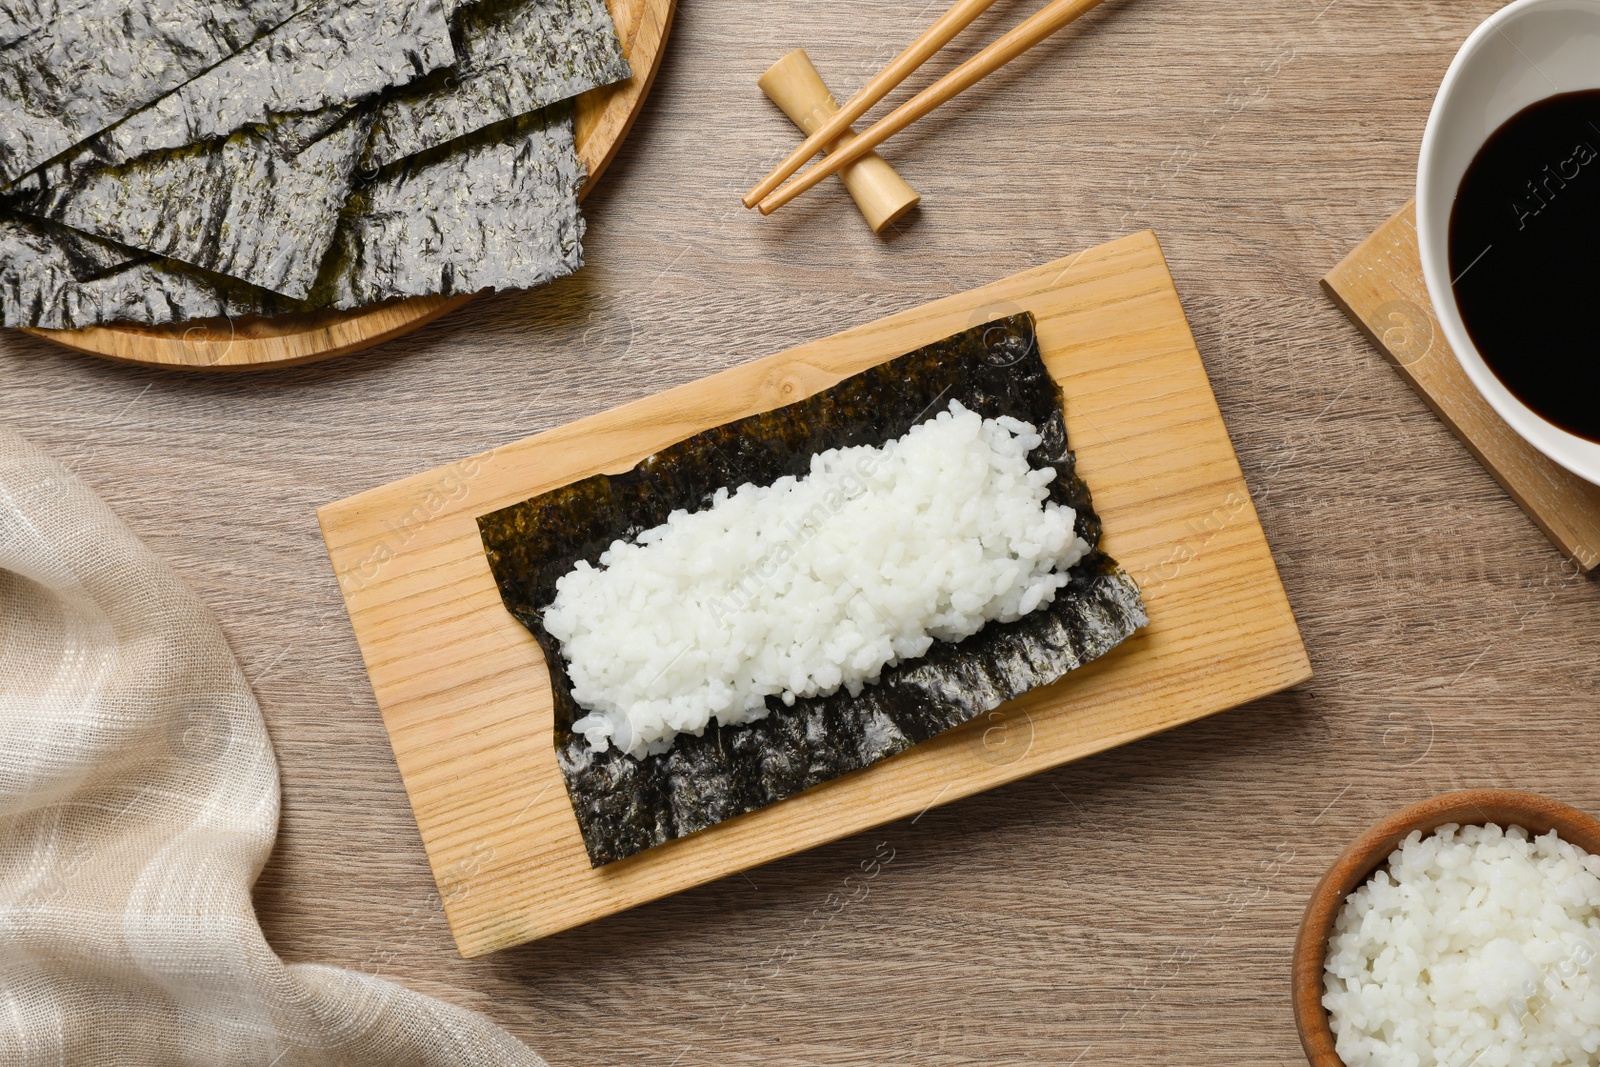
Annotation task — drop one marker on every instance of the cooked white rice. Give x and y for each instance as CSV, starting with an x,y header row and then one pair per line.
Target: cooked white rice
x,y
814,584
1473,948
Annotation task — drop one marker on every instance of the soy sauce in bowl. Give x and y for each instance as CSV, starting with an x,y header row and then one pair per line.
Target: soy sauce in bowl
x,y
1525,258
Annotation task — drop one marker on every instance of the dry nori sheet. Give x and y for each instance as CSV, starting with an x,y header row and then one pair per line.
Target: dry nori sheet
x,y
87,257
18,18
625,805
514,57
71,70
497,210
332,53
261,206
59,279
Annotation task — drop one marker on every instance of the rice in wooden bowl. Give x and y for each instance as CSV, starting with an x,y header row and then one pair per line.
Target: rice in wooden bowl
x,y
1457,933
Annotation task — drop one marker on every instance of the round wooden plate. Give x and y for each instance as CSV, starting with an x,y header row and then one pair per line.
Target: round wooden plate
x,y
604,117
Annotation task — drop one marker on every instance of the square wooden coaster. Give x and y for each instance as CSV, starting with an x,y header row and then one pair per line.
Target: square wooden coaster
x,y
1380,287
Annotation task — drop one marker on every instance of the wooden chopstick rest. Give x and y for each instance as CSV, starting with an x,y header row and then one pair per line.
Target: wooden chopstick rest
x,y
795,86
1041,24
935,37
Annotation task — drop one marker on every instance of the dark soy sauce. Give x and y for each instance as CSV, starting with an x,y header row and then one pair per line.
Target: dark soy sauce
x,y
1525,258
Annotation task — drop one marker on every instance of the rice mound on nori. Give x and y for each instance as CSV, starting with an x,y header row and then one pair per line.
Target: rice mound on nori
x,y
625,805
811,585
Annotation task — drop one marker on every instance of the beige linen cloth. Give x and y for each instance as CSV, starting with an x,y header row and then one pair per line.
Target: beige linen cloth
x,y
138,803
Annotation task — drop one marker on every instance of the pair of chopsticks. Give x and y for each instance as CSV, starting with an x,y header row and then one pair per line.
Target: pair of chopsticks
x,y
1052,17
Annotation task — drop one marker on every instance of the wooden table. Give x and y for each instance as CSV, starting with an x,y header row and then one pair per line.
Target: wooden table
x,y
1136,908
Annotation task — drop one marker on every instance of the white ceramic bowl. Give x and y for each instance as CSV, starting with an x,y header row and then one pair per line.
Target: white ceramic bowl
x,y
1526,52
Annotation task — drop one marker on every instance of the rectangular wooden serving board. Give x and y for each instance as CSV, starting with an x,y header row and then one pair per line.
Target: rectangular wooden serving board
x,y
466,698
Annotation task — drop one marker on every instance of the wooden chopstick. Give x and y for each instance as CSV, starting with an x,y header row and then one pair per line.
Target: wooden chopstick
x,y
935,37
1052,17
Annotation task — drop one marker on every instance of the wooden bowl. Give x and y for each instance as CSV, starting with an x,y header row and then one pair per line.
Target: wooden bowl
x,y
602,119
1471,807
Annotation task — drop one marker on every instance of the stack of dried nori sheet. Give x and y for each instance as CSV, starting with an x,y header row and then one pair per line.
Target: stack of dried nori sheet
x,y
267,156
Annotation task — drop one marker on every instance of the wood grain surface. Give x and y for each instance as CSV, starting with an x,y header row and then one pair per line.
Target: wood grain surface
x,y
1380,286
1135,909
465,692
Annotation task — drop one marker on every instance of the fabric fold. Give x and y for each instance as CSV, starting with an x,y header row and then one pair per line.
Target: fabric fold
x,y
138,804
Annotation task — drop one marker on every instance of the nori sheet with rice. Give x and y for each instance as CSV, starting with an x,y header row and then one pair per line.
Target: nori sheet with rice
x,y
334,52
71,70
514,57
261,205
625,806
